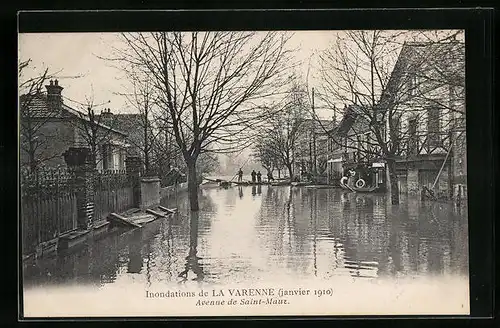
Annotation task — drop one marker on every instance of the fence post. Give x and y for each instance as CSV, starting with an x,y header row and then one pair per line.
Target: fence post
x,y
82,169
133,169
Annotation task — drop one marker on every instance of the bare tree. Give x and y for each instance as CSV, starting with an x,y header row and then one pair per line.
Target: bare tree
x,y
142,99
380,74
30,122
280,134
94,130
210,85
36,110
266,154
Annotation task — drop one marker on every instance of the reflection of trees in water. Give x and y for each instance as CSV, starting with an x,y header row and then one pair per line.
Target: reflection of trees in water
x,y
420,239
192,259
274,221
410,237
362,239
314,221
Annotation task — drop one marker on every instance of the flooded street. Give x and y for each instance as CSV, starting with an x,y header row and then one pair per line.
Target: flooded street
x,y
251,235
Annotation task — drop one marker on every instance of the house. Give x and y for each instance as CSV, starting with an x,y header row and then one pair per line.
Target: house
x,y
48,127
134,124
352,144
426,93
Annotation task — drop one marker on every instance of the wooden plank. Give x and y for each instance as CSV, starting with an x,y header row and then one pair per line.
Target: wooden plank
x,y
141,220
131,211
122,220
169,210
155,213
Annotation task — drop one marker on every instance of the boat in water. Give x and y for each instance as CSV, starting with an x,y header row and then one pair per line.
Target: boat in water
x,y
301,183
280,183
324,186
359,186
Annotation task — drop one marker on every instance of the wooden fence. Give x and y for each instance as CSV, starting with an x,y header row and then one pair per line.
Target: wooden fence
x,y
113,193
49,208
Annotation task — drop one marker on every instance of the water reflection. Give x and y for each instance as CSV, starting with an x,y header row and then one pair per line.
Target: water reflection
x,y
278,232
134,252
192,260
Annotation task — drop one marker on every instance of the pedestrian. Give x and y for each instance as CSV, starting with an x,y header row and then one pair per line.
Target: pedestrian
x,y
259,177
253,176
240,175
270,176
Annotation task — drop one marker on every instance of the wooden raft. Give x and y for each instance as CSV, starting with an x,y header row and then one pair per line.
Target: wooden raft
x,y
135,218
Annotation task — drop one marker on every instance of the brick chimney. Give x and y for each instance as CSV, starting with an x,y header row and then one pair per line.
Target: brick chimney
x,y
54,97
107,117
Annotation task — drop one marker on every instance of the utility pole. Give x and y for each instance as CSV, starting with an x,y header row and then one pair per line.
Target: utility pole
x,y
314,135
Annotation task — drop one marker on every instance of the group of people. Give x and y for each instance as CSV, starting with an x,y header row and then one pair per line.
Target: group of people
x,y
256,176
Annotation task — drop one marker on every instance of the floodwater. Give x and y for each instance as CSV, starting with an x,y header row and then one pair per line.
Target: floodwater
x,y
256,234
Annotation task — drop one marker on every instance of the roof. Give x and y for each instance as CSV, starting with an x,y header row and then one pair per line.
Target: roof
x,y
350,118
39,108
421,55
321,126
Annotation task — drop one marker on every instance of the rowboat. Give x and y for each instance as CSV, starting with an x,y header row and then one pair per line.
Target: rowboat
x,y
301,183
280,183
249,183
357,189
368,189
320,187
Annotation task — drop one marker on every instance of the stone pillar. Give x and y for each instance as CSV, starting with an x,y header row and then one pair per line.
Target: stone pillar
x,y
133,167
150,192
80,164
412,181
443,183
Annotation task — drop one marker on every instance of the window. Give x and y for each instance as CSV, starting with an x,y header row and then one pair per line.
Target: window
x,y
368,142
434,136
412,137
396,132
412,84
107,159
359,147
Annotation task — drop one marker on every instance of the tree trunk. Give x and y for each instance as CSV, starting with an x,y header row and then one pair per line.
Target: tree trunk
x,y
192,185
393,182
32,159
290,171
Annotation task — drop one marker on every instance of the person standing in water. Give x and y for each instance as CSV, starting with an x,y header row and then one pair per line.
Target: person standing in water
x,y
240,175
259,177
253,176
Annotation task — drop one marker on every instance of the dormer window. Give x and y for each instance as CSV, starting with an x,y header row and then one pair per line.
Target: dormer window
x,y
412,84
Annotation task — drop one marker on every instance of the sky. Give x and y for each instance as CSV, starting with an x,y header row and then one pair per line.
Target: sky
x,y
75,58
